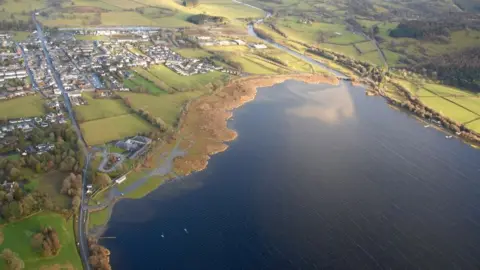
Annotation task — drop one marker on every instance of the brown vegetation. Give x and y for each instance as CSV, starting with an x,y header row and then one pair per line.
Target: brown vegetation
x,y
205,122
72,186
12,260
99,257
47,242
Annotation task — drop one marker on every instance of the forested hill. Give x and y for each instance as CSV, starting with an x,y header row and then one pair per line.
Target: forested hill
x,y
426,29
460,69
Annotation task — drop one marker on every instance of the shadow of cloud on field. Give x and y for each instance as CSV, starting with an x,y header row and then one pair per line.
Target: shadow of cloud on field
x,y
329,106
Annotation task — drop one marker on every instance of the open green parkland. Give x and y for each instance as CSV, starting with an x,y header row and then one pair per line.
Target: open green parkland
x,y
18,235
108,129
22,107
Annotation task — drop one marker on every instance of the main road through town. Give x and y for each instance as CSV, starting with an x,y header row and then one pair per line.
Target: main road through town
x,y
83,245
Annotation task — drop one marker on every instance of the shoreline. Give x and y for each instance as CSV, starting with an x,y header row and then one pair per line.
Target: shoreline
x,y
207,117
204,126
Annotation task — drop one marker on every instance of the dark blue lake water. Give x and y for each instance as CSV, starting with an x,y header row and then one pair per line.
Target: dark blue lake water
x,y
320,177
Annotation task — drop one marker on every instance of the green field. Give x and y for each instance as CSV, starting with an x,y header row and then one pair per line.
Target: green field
x,y
49,183
366,47
184,83
124,18
138,81
192,53
148,81
449,109
18,236
100,108
99,218
153,183
118,127
310,33
458,105
22,107
91,37
167,107
20,35
475,125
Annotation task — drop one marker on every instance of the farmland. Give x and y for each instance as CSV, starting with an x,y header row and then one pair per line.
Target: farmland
x,y
18,237
192,53
49,183
118,127
458,105
31,106
167,107
99,108
137,82
184,83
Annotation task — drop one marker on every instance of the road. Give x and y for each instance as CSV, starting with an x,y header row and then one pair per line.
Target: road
x,y
83,244
27,67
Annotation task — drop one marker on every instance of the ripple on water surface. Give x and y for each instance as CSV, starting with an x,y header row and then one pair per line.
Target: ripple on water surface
x,y
319,177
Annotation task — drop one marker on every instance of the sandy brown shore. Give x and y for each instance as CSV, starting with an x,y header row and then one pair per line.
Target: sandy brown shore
x,y
205,121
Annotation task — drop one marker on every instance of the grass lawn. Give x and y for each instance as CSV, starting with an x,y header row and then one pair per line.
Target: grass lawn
x,y
475,126
192,53
392,57
147,80
49,183
365,47
167,107
94,3
448,109
22,107
18,236
100,108
99,218
118,127
184,83
125,18
90,37
20,35
310,33
150,185
443,90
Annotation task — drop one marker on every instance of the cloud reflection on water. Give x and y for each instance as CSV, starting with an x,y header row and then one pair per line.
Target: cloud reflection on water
x,y
330,105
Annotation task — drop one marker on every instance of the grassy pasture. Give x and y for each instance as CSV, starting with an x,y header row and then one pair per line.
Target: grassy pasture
x,y
184,83
167,107
99,4
22,107
18,236
147,80
475,125
100,108
118,127
193,53
91,37
365,47
448,109
125,18
49,183
99,218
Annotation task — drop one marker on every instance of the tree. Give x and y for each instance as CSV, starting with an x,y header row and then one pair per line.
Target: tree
x,y
76,202
12,260
102,180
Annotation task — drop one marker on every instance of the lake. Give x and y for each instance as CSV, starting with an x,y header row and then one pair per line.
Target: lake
x,y
320,177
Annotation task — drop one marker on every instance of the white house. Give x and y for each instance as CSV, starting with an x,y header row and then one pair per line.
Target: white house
x,y
121,179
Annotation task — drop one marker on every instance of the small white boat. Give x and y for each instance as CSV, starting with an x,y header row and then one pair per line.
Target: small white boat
x,y
163,236
426,126
185,229
449,136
